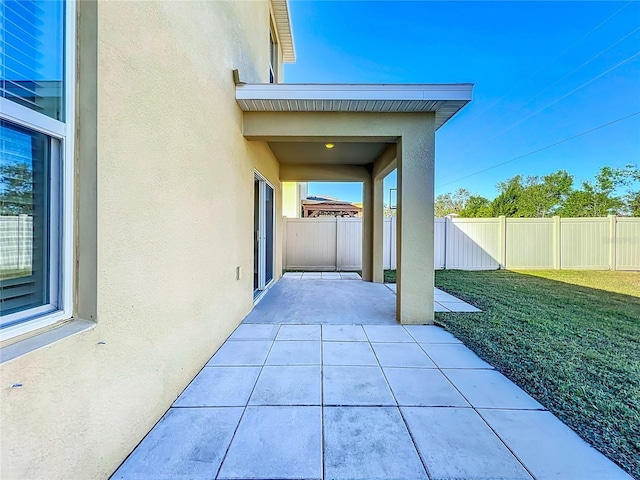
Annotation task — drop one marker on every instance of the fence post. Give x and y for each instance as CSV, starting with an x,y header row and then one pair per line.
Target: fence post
x,y
338,224
393,237
557,243
503,241
447,239
22,234
612,242
285,262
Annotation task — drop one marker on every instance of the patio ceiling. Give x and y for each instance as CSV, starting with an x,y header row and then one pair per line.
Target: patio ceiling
x,y
342,153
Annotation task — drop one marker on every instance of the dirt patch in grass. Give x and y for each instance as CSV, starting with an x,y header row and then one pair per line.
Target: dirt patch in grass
x,y
576,349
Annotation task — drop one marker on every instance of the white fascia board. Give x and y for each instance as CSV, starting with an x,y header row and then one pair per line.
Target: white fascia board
x,y
283,25
425,92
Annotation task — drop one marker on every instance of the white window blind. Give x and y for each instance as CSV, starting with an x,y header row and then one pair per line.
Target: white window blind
x,y
31,60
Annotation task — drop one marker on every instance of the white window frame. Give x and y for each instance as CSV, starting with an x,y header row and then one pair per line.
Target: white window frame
x,y
62,198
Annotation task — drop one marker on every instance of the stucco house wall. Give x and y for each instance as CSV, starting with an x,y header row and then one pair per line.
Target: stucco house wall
x,y
162,230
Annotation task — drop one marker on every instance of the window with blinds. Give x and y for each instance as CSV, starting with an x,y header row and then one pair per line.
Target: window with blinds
x,y
24,218
33,141
32,64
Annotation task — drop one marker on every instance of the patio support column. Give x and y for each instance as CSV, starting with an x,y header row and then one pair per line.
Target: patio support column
x,y
367,229
416,158
378,231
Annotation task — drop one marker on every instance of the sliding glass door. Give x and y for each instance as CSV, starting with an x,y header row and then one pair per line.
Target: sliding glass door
x,y
263,233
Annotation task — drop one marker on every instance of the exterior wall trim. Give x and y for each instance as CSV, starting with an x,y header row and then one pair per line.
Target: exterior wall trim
x,y
283,27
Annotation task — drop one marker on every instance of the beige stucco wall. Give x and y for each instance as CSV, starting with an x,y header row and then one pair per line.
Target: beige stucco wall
x,y
173,219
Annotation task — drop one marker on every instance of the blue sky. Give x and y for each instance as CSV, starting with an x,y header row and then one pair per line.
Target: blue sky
x,y
543,72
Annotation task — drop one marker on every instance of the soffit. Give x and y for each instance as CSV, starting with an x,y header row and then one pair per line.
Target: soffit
x,y
283,25
443,99
315,153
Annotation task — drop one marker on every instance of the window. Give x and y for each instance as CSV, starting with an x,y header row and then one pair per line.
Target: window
x,y
36,144
273,58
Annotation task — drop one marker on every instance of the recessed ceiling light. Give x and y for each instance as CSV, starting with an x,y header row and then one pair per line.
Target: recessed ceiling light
x,y
329,145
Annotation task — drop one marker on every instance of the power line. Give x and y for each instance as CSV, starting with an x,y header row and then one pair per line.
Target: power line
x,y
543,67
591,80
582,65
538,150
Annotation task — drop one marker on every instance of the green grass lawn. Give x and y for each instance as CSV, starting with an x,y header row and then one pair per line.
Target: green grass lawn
x,y
571,339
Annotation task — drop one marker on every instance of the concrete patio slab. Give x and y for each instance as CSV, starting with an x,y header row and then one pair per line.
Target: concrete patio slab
x,y
439,308
369,443
454,355
298,332
380,333
317,301
220,387
183,445
458,444
348,353
422,387
490,389
331,276
355,386
292,275
467,420
459,306
285,443
288,385
550,449
254,332
241,353
294,352
350,276
343,333
430,334
401,355
444,302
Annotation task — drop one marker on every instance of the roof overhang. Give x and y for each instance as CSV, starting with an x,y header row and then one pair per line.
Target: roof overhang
x,y
283,27
443,99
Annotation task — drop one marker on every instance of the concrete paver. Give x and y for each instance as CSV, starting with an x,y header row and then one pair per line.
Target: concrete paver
x,y
343,333
298,332
363,386
424,387
294,352
319,382
348,353
547,446
284,443
490,389
453,355
219,387
402,355
288,385
369,443
185,443
457,443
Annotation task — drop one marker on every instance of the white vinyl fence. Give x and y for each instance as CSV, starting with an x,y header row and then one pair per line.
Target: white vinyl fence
x,y
609,243
16,242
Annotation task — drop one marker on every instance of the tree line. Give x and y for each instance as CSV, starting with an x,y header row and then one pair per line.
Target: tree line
x,y
613,191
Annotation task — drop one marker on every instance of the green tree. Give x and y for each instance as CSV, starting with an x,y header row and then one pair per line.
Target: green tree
x,y
508,201
448,203
597,197
16,184
542,197
631,179
477,207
